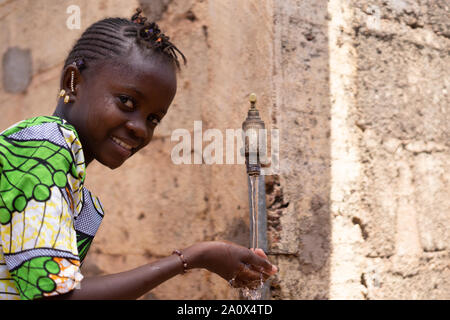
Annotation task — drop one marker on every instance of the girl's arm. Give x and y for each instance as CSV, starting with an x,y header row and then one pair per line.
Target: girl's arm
x,y
126,285
225,259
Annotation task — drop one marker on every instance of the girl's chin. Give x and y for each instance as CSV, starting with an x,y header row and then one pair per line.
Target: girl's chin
x,y
113,157
111,163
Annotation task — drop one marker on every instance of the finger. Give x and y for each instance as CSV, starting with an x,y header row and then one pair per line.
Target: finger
x,y
260,252
261,264
248,278
249,274
273,270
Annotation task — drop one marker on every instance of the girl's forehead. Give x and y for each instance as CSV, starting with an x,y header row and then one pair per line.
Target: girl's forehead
x,y
153,79
136,70
137,67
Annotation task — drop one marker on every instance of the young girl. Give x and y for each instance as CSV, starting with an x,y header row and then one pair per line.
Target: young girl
x,y
117,84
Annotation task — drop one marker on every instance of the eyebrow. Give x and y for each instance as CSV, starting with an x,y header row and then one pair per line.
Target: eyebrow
x,y
136,91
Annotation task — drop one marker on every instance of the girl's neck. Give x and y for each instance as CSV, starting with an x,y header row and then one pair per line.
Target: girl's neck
x,y
59,112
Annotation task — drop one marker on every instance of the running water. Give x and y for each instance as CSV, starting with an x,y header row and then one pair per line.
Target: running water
x,y
254,294
254,211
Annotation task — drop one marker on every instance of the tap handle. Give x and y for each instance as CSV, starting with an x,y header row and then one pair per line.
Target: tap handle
x,y
252,99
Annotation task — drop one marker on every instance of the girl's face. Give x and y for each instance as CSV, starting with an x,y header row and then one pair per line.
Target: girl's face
x,y
118,105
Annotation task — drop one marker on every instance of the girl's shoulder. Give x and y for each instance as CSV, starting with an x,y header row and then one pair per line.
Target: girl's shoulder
x,y
42,142
41,122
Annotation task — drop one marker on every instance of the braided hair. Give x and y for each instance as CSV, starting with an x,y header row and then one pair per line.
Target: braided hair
x,y
113,37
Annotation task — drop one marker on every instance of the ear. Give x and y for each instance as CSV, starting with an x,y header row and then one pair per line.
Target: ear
x,y
71,79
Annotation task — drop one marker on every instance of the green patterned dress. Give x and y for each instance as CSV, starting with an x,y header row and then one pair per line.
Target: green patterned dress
x,y
48,219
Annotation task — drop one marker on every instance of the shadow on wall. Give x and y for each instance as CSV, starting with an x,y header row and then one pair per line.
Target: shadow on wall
x,y
298,200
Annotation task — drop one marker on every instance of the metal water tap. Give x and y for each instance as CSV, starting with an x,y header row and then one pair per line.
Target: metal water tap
x,y
254,149
253,142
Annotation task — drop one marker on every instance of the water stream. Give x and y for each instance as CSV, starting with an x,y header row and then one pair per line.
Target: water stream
x,y
254,294
254,211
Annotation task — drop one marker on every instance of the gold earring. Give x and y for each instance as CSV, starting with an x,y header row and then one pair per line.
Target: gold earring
x,y
66,99
62,93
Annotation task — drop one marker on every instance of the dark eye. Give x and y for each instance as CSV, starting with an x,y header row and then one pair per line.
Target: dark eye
x,y
127,102
154,120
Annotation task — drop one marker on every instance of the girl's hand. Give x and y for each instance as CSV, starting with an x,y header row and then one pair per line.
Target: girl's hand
x,y
240,266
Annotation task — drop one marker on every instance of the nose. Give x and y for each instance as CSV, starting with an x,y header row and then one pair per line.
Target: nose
x,y
139,128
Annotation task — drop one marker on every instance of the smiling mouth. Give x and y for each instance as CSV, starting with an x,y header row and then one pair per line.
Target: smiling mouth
x,y
123,144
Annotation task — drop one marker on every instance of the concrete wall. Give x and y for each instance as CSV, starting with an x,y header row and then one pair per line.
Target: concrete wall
x,y
390,233
359,92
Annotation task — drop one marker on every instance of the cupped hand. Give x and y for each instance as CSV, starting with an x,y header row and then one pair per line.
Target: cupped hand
x,y
241,266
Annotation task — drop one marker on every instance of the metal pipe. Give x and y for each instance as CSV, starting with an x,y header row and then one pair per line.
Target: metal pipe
x,y
254,148
262,214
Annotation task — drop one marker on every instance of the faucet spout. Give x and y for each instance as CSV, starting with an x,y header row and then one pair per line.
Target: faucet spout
x,y
253,141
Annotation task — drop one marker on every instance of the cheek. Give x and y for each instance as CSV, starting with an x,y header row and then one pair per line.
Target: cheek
x,y
104,116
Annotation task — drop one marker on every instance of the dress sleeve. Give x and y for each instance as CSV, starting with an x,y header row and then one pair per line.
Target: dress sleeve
x,y
40,186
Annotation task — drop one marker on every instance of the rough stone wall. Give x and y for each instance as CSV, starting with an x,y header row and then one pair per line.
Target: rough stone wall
x,y
399,122
389,234
360,209
301,247
359,92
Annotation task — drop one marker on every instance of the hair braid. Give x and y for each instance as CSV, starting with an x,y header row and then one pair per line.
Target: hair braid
x,y
113,37
150,34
